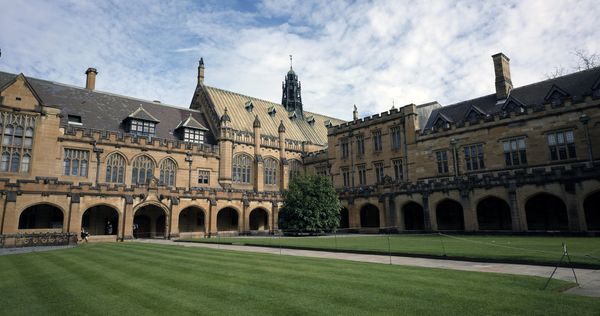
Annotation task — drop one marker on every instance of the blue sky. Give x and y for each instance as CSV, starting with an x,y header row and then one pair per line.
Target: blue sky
x,y
368,53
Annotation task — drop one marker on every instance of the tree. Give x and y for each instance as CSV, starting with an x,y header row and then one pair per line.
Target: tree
x,y
585,61
310,205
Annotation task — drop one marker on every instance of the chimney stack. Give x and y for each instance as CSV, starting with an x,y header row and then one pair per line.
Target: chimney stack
x,y
502,71
201,71
90,82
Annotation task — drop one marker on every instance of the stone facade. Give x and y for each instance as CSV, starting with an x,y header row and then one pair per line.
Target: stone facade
x,y
522,159
455,173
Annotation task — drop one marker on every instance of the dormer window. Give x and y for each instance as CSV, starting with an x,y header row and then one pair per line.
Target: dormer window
x,y
141,123
191,135
272,111
191,131
142,128
74,120
310,120
249,106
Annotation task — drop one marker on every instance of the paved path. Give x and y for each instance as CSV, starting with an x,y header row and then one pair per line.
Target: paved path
x,y
589,280
14,251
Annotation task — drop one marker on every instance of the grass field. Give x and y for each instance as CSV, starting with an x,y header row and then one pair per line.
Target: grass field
x,y
134,278
584,250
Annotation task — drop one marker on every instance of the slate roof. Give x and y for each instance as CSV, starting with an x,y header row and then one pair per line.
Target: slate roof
x,y
574,85
311,128
105,111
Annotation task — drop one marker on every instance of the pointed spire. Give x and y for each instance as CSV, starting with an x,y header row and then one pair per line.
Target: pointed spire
x,y
256,122
201,71
355,113
225,117
281,128
291,68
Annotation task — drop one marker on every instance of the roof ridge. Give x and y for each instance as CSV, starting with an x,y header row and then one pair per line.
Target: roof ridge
x,y
105,93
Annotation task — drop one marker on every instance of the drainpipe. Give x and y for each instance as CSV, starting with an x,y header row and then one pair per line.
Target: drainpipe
x,y
585,119
453,143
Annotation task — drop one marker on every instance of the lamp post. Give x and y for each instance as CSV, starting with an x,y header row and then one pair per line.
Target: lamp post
x,y
188,158
585,119
97,151
453,143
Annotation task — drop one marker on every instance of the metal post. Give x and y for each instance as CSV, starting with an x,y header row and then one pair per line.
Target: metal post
x,y
442,242
97,151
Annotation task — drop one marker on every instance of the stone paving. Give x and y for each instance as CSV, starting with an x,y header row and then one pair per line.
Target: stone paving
x,y
589,279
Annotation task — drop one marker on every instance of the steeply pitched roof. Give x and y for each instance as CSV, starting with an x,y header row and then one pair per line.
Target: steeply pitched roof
x,y
105,111
241,119
575,85
191,122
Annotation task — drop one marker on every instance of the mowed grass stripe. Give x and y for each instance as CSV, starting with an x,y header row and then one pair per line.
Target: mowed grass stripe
x,y
523,248
132,278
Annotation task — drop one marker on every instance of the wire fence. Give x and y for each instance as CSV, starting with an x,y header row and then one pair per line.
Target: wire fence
x,y
393,242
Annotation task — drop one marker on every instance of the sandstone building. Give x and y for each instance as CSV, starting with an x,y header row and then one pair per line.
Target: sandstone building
x,y
522,159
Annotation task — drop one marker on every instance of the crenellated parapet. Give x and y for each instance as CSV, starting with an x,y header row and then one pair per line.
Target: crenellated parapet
x,y
119,139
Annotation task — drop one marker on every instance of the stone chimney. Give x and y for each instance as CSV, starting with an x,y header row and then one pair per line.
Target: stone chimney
x,y
502,71
90,82
201,71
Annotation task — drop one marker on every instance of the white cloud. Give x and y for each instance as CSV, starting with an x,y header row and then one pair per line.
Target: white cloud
x,y
365,53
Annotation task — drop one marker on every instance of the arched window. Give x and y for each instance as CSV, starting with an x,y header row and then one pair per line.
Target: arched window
x,y
15,161
143,170
115,168
295,168
271,166
17,139
25,163
5,161
168,169
242,168
28,137
8,134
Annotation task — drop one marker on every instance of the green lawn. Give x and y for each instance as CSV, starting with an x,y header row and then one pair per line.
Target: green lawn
x,y
585,250
141,279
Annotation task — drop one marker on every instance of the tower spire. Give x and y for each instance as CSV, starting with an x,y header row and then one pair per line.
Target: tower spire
x,y
291,95
291,62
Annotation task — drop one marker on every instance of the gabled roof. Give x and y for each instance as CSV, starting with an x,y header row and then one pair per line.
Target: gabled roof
x,y
241,119
553,91
511,104
142,114
575,84
106,111
191,122
27,84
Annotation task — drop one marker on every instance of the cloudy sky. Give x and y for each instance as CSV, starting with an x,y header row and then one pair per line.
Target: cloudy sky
x,y
368,53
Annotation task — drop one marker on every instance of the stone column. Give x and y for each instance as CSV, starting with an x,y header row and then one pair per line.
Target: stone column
x,y
515,215
428,224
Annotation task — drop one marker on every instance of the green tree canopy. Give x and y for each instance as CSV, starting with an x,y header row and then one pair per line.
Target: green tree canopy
x,y
310,205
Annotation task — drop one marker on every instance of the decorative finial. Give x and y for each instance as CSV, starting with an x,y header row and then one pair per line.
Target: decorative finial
x,y
201,62
290,61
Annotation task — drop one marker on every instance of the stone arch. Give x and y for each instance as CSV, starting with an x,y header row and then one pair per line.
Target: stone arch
x,y
42,216
344,218
142,168
413,215
493,213
101,219
228,219
545,211
117,152
449,215
591,208
192,219
259,219
369,216
150,220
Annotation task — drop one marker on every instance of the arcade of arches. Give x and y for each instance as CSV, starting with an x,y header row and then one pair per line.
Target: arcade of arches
x,y
493,214
150,222
413,216
369,216
192,220
100,220
449,214
591,206
41,216
546,212
259,219
227,220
